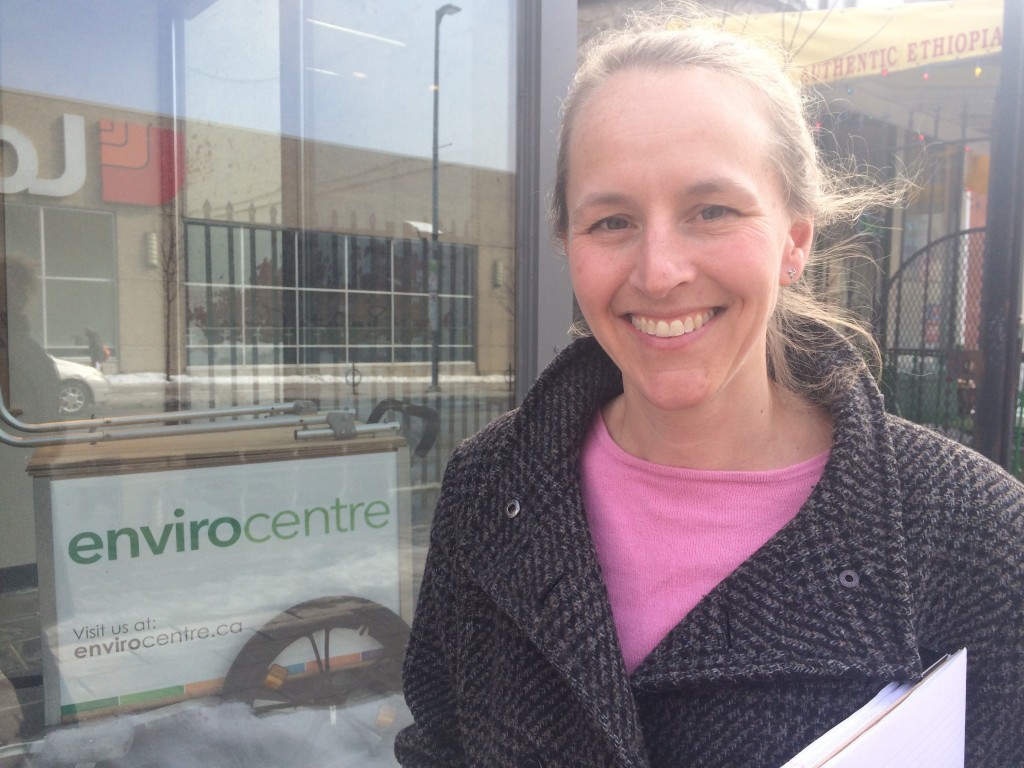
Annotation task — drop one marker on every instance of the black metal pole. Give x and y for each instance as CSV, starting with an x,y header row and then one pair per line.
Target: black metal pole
x,y
1001,284
434,265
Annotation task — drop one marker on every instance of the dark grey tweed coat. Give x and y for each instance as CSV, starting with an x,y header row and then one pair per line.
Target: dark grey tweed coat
x,y
910,545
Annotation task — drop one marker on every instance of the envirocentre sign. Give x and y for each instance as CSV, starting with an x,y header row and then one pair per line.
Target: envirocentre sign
x,y
160,578
259,527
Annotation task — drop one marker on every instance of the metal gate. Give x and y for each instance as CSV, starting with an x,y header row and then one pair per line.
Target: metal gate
x,y
929,333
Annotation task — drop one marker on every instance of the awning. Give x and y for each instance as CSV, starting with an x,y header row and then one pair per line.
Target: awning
x,y
931,68
850,43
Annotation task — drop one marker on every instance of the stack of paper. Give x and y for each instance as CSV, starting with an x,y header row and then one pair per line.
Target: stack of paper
x,y
904,726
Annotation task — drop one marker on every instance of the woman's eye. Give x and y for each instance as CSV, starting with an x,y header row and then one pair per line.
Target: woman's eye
x,y
611,223
712,212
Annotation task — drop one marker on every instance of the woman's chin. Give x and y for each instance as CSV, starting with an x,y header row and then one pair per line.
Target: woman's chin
x,y
670,393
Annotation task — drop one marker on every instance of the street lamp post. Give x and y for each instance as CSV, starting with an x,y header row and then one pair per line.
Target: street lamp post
x,y
434,263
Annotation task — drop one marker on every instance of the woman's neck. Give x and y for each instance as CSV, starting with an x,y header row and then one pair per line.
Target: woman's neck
x,y
777,429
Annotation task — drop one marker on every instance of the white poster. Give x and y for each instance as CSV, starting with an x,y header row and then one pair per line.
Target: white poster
x,y
162,578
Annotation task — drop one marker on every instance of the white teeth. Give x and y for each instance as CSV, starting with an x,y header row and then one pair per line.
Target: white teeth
x,y
664,329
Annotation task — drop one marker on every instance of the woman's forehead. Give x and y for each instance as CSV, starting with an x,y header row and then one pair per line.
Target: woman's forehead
x,y
634,110
655,84
687,130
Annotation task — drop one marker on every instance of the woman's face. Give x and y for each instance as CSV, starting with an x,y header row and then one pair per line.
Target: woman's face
x,y
678,235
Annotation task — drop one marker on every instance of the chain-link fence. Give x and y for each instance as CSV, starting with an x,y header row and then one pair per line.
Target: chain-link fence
x,y
930,333
931,314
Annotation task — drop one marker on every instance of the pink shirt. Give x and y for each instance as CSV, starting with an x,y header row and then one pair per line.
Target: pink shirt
x,y
665,536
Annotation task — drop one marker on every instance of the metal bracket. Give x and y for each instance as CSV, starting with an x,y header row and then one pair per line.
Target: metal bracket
x,y
342,423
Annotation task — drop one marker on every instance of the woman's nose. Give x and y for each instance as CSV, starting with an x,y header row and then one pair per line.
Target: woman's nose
x,y
663,261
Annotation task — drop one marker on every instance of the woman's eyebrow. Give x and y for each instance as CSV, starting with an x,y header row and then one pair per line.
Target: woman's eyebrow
x,y
711,186
716,185
601,198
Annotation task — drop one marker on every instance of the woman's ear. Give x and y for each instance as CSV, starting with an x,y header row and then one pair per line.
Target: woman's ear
x,y
801,236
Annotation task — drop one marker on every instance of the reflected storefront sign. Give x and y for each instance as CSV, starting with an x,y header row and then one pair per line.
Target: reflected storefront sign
x,y
139,164
25,177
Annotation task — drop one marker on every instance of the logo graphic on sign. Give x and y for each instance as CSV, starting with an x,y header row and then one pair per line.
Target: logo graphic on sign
x,y
26,174
140,164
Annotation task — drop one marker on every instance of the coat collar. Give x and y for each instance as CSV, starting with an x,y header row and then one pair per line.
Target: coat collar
x,y
828,594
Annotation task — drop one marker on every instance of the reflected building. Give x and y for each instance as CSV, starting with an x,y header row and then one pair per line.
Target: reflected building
x,y
182,249
234,224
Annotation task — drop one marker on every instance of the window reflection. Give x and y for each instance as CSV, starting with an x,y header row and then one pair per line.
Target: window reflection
x,y
243,235
378,314
370,264
75,258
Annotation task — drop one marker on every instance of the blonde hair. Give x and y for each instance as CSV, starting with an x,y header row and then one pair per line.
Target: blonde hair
x,y
833,197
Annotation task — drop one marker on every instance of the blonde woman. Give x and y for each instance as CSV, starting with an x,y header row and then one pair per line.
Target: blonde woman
x,y
701,540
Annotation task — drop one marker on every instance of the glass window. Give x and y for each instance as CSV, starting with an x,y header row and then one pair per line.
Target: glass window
x,y
78,244
71,299
226,273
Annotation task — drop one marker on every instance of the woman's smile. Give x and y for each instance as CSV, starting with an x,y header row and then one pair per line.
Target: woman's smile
x,y
679,326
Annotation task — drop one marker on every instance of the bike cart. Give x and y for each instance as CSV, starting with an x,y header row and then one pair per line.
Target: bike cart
x,y
269,568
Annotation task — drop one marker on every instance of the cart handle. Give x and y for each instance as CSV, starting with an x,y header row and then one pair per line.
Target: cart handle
x,y
431,421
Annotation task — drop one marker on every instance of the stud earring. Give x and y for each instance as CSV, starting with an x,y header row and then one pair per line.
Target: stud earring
x,y
791,273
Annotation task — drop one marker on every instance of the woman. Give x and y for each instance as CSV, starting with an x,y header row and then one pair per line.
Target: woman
x,y
701,541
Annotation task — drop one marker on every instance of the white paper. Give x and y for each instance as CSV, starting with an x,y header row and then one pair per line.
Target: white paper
x,y
904,726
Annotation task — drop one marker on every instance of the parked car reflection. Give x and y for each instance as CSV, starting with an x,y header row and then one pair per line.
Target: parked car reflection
x,y
80,386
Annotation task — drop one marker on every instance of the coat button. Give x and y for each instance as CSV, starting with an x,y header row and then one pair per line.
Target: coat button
x,y
849,578
512,508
